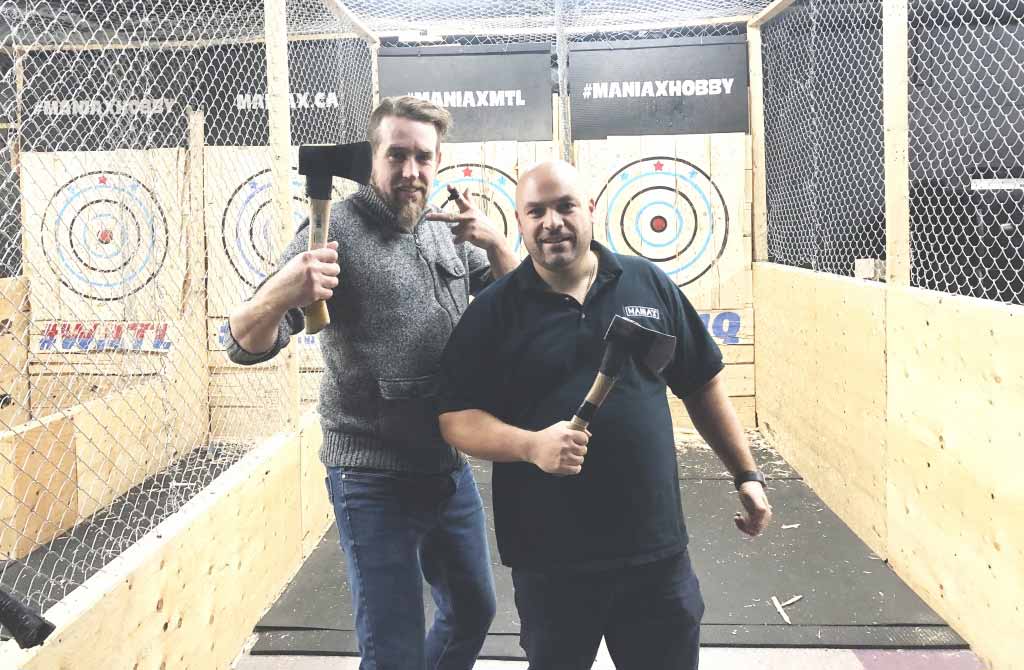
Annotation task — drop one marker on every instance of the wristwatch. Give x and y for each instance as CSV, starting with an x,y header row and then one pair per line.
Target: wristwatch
x,y
749,476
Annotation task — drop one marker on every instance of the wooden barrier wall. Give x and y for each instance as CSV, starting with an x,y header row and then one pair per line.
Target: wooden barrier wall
x,y
64,467
14,324
901,408
188,595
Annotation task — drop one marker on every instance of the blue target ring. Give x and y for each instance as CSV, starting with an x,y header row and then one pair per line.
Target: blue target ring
x,y
247,224
498,182
680,191
104,235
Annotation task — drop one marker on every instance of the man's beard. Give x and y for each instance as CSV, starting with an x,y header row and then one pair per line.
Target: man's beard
x,y
407,213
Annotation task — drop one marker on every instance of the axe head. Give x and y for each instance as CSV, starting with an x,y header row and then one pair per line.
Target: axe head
x,y
321,162
628,339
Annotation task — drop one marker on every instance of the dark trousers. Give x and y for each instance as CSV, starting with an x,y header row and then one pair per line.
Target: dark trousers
x,y
397,529
649,616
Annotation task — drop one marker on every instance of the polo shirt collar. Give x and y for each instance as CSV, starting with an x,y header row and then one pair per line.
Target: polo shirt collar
x,y
608,267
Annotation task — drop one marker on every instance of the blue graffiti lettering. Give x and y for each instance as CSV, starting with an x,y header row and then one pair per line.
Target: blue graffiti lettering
x,y
727,327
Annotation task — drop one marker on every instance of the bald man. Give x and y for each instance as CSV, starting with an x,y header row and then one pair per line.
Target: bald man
x,y
590,522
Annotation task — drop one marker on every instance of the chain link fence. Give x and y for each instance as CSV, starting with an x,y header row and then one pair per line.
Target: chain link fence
x,y
825,146
138,208
967,148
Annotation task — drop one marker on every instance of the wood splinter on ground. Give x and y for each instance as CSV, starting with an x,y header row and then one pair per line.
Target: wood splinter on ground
x,y
779,607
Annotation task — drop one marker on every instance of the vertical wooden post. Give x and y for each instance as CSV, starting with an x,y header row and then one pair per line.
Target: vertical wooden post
x,y
562,53
275,17
760,223
374,72
895,116
195,387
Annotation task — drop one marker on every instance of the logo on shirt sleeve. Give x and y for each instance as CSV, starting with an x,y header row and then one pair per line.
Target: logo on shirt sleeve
x,y
633,311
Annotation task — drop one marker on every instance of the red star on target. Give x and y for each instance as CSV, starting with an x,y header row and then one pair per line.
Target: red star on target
x,y
467,172
658,165
103,180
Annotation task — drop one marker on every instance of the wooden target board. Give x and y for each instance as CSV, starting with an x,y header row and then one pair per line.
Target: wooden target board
x,y
490,171
103,234
244,236
681,202
684,203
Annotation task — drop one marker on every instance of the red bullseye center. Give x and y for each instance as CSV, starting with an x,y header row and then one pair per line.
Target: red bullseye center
x,y
106,236
659,224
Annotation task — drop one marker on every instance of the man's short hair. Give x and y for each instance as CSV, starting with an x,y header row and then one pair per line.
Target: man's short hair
x,y
408,107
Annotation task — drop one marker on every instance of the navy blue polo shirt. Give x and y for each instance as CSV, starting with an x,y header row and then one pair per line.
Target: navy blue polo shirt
x,y
528,356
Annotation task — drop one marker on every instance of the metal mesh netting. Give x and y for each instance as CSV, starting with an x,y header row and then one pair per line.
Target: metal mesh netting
x,y
824,142
492,22
967,148
138,208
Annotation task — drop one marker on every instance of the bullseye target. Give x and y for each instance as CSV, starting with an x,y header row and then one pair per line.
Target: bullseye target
x,y
491,189
104,235
667,210
249,222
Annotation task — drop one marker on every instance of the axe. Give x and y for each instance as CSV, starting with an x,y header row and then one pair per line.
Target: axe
x,y
28,628
320,163
625,339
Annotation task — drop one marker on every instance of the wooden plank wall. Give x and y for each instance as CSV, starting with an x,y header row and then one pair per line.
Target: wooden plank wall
x,y
955,393
821,362
699,189
901,407
14,326
60,469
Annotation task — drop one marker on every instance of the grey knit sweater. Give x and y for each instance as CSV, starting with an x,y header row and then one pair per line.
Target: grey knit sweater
x,y
398,299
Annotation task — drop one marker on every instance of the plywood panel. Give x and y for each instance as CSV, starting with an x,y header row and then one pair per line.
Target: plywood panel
x,y
956,388
744,406
179,600
245,425
317,512
14,407
121,440
39,495
244,240
679,201
103,237
490,171
820,367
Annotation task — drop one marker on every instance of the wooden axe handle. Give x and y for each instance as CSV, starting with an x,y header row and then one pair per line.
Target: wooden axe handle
x,y
595,397
317,317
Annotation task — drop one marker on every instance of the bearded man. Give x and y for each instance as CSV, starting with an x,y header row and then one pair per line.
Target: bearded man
x,y
396,278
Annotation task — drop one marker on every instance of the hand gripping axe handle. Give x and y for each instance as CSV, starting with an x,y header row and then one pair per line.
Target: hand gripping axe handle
x,y
624,339
320,163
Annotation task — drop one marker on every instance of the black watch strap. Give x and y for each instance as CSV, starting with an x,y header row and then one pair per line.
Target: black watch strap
x,y
749,476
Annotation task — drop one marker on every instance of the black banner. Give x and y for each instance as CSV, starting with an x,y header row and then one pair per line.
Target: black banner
x,y
493,93
664,88
138,98
104,100
330,99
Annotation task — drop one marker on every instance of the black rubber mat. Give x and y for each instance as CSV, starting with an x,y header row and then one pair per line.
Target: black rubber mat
x,y
849,599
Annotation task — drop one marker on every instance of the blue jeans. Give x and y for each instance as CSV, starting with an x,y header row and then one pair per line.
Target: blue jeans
x,y
397,529
649,616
